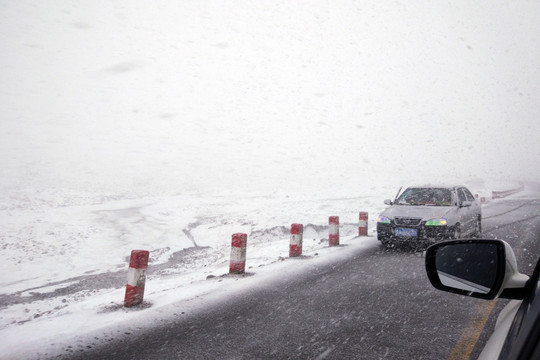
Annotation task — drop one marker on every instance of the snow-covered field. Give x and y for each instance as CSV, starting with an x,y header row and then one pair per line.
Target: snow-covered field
x,y
169,126
65,267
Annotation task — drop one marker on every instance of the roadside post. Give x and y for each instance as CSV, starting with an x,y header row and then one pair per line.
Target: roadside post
x,y
297,234
333,233
237,263
363,224
138,264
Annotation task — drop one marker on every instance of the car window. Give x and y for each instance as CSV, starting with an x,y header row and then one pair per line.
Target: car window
x,y
461,196
468,194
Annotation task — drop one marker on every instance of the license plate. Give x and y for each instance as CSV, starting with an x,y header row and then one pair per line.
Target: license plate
x,y
406,232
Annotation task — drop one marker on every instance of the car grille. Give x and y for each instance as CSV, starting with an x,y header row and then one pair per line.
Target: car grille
x,y
402,221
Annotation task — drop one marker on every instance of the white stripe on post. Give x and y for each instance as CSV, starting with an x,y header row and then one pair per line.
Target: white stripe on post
x,y
297,234
238,254
333,238
138,264
363,224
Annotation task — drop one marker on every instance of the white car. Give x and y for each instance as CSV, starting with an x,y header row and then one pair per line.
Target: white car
x,y
487,269
422,215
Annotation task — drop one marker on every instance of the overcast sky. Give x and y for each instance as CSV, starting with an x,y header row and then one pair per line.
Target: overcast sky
x,y
266,95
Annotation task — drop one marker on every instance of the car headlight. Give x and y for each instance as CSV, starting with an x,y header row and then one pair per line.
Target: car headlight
x,y
436,222
383,220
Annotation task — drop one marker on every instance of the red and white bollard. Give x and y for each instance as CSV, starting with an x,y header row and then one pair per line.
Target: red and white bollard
x,y
238,254
333,232
297,234
363,223
138,264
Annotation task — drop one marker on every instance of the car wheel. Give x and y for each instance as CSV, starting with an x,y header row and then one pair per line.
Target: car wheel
x,y
457,232
478,228
385,241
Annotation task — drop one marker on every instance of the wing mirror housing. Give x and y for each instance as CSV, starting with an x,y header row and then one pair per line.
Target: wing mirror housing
x,y
479,268
466,203
388,202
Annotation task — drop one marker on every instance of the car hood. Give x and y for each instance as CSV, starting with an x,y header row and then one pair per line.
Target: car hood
x,y
424,212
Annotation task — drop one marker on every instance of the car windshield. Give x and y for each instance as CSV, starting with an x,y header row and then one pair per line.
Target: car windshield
x,y
426,196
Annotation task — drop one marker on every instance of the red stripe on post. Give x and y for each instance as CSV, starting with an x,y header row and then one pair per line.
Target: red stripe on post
x,y
134,295
333,233
139,259
238,253
297,234
297,229
333,220
363,224
138,264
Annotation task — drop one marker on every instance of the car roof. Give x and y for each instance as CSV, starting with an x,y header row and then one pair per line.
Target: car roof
x,y
434,186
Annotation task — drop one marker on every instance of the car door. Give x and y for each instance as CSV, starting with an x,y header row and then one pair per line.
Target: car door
x,y
464,212
523,339
475,211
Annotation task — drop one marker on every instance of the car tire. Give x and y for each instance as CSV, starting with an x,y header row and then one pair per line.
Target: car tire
x,y
385,241
478,228
457,232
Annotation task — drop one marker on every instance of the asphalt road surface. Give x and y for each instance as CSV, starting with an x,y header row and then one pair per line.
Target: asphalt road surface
x,y
377,304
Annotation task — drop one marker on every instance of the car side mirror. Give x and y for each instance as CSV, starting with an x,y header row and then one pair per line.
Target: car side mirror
x,y
478,268
466,203
388,202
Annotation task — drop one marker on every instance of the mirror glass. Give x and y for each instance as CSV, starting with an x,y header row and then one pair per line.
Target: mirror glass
x,y
470,267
